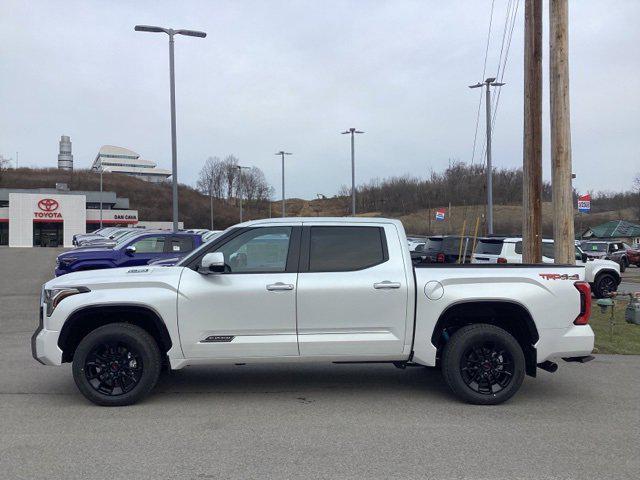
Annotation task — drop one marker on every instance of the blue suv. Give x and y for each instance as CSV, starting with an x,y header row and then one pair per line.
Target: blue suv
x,y
136,250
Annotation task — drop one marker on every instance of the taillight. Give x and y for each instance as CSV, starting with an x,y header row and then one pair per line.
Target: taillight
x,y
440,257
502,260
585,303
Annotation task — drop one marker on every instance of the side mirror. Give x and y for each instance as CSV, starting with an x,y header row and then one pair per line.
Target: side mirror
x,y
212,263
584,257
130,250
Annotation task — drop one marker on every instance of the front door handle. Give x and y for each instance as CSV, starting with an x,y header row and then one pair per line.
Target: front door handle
x,y
386,285
278,286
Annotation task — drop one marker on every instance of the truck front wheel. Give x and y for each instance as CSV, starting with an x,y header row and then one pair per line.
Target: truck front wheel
x,y
116,364
605,284
483,364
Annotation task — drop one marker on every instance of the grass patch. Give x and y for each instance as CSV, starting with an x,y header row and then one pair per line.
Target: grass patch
x,y
626,336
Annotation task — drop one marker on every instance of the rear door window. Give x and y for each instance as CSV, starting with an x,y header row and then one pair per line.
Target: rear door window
x,y
341,249
180,244
489,247
434,245
548,250
451,246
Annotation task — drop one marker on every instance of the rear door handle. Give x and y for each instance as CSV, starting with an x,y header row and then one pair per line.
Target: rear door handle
x,y
386,285
278,286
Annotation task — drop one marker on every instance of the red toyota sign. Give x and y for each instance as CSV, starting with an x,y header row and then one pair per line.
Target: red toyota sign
x,y
48,205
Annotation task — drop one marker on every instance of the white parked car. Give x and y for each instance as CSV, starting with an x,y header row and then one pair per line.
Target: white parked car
x,y
603,275
314,290
413,242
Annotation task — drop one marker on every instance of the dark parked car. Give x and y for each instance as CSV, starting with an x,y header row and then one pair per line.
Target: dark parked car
x,y
444,249
617,251
138,250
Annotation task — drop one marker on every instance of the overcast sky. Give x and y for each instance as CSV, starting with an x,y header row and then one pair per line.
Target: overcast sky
x,y
293,74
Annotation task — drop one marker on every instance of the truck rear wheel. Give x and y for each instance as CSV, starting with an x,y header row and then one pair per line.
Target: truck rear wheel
x,y
483,364
116,364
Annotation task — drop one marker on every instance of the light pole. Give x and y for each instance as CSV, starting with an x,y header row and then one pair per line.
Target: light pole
x,y
353,131
282,153
172,81
489,82
101,171
211,198
240,168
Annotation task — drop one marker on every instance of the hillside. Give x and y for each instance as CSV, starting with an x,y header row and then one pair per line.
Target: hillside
x,y
153,202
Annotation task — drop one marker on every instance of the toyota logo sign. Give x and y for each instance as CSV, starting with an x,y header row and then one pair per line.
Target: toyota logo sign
x,y
48,205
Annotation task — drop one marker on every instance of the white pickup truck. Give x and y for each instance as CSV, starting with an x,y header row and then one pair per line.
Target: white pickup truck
x,y
338,290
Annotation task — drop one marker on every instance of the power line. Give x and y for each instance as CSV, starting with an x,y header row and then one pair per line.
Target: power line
x,y
511,22
484,69
504,34
506,59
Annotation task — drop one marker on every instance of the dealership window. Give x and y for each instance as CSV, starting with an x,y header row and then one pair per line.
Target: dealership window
x,y
336,249
150,245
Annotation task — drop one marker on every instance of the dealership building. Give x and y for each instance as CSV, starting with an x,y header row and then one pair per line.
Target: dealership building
x,y
50,217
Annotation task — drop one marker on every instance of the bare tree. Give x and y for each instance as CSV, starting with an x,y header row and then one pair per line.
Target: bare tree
x,y
220,178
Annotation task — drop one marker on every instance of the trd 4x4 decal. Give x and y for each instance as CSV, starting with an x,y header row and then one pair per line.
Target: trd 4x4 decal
x,y
559,276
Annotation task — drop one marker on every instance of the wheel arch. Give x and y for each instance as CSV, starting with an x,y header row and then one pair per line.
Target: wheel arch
x,y
511,316
609,271
86,319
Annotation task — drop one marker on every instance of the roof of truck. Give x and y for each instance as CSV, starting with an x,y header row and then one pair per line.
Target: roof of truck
x,y
319,219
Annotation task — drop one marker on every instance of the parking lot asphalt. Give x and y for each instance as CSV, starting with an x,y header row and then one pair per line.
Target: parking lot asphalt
x,y
304,421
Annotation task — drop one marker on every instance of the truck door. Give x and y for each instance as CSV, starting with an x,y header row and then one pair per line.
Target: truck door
x,y
250,309
352,291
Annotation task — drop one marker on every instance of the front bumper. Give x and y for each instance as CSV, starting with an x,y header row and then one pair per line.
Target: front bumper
x,y
44,344
44,347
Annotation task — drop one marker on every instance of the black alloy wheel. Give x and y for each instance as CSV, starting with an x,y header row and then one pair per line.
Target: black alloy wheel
x,y
113,368
116,364
483,364
487,368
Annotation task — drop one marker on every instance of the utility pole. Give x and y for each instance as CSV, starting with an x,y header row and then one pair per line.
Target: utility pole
x,y
353,131
240,168
562,192
282,153
532,142
172,85
489,82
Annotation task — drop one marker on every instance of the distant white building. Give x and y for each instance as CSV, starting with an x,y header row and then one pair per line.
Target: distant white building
x,y
113,159
65,158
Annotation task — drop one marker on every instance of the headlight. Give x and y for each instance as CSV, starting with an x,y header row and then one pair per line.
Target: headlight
x,y
53,296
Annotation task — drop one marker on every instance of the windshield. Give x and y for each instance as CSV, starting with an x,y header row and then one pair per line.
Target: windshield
x,y
594,247
489,247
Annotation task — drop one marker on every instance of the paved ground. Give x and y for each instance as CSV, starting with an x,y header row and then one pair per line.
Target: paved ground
x,y
630,280
342,422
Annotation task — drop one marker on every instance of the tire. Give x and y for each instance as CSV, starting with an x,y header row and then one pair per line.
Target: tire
x,y
605,283
116,364
486,353
624,263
